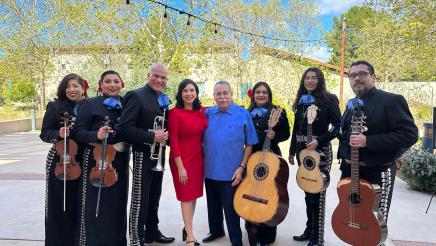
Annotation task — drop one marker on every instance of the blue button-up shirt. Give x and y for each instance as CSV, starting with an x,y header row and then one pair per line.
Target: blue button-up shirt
x,y
224,140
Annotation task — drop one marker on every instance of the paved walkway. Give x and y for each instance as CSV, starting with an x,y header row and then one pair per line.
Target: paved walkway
x,y
22,188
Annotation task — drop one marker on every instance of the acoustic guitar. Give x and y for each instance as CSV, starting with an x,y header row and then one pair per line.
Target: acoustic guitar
x,y
357,219
262,197
310,178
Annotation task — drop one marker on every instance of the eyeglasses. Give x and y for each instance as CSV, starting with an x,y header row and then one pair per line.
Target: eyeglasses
x,y
311,78
360,74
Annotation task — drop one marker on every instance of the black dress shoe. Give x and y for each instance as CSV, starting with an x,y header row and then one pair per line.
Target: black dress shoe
x,y
303,237
160,239
210,237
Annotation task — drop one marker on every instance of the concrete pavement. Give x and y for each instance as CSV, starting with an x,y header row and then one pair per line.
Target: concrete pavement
x,y
22,188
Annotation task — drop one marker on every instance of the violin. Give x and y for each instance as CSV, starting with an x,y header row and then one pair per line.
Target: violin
x,y
104,174
68,168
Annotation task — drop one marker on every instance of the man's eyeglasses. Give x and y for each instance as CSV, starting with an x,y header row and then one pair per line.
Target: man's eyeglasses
x,y
360,74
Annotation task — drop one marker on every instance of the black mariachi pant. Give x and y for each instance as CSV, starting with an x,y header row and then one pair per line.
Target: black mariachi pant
x,y
146,192
384,176
315,203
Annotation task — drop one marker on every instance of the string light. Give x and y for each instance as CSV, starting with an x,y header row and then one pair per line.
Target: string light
x,y
231,28
165,13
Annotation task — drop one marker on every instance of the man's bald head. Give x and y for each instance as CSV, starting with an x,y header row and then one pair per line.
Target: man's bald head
x,y
157,77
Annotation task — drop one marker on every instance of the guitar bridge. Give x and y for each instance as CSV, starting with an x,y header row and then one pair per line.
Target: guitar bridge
x,y
355,225
255,199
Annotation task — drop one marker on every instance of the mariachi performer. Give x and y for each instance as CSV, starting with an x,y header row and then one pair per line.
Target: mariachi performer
x,y
260,110
61,198
313,91
104,184
143,124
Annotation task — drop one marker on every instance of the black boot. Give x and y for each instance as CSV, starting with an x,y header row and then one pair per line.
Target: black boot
x,y
303,237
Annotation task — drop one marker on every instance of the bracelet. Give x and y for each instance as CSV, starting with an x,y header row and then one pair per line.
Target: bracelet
x,y
242,166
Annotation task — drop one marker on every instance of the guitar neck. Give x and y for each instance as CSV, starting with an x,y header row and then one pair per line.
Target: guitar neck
x,y
309,133
354,170
267,143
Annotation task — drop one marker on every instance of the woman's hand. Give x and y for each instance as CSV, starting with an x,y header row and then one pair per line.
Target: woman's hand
x,y
62,132
183,175
101,132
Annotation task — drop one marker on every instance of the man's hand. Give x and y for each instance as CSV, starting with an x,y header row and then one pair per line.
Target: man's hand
x,y
358,141
237,176
160,136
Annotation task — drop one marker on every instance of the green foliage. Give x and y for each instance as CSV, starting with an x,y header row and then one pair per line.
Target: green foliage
x,y
397,37
355,20
419,169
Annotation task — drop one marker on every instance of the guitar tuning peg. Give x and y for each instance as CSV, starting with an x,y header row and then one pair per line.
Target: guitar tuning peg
x,y
73,118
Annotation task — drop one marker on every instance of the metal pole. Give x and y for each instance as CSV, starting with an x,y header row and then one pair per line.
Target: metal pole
x,y
341,84
33,119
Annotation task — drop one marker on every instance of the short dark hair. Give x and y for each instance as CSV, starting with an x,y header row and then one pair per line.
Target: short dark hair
x,y
196,105
268,89
62,88
370,67
107,73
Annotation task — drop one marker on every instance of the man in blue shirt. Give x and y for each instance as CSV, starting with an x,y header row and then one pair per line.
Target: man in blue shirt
x,y
228,142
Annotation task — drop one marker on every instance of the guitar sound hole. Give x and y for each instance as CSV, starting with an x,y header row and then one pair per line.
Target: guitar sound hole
x,y
309,163
260,172
354,198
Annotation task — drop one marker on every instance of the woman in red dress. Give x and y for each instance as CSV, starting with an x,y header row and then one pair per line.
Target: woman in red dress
x,y
186,123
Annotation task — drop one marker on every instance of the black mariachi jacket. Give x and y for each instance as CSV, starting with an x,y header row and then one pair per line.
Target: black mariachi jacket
x,y
140,109
89,120
281,130
391,129
328,113
53,118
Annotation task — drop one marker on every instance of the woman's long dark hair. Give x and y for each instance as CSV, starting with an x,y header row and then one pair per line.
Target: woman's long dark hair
x,y
62,88
320,90
268,89
196,105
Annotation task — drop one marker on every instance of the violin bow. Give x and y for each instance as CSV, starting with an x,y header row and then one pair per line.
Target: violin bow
x,y
103,158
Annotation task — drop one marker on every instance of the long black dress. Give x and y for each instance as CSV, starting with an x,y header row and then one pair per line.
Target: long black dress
x,y
263,234
59,225
110,227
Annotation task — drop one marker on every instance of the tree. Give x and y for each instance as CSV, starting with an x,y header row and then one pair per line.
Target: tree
x,y
355,17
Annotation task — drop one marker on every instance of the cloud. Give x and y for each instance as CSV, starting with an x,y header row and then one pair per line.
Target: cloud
x,y
337,7
320,53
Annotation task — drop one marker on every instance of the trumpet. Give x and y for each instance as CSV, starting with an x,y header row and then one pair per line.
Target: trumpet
x,y
159,124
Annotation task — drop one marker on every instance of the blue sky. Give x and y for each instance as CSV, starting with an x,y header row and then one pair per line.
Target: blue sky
x,y
330,9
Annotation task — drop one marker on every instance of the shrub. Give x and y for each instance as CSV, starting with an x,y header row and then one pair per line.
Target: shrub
x,y
419,169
